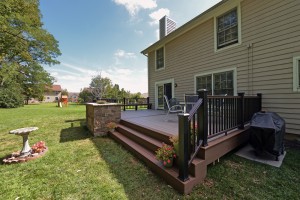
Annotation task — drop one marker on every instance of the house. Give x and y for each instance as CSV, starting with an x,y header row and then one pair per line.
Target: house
x,y
52,94
249,46
73,96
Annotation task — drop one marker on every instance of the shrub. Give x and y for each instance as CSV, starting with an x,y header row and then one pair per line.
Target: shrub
x,y
11,98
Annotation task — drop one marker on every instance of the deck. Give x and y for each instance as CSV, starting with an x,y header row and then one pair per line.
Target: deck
x,y
153,119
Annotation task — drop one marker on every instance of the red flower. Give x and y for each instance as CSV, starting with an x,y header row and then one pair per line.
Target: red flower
x,y
169,160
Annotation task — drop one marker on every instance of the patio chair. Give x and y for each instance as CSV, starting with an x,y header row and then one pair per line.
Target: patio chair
x,y
190,100
172,106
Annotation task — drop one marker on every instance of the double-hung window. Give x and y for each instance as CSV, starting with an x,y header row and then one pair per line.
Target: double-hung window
x,y
160,60
296,74
220,83
227,29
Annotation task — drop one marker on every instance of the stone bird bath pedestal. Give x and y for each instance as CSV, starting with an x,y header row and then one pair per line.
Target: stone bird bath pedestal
x,y
24,132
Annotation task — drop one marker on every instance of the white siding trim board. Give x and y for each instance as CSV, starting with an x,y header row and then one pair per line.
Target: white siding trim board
x,y
296,74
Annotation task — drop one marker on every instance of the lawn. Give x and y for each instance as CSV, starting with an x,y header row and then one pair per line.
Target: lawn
x,y
79,166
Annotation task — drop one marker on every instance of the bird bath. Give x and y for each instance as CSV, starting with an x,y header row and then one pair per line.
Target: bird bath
x,y
24,132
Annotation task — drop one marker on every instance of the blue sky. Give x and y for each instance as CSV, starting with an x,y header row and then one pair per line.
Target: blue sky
x,y
107,36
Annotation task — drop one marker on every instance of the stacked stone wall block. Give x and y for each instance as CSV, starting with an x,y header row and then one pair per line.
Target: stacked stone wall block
x,y
99,115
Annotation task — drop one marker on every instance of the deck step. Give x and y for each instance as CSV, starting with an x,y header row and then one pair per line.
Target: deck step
x,y
148,157
163,137
142,139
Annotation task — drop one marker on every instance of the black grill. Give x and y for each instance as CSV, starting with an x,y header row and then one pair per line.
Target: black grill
x,y
267,131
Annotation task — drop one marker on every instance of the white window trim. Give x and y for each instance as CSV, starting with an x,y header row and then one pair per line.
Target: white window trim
x,y
221,12
160,83
212,79
164,59
296,72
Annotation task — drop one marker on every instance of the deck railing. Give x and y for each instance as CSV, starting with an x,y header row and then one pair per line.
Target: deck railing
x,y
215,115
131,103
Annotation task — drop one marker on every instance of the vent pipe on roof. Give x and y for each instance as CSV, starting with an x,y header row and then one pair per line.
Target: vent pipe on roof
x,y
166,26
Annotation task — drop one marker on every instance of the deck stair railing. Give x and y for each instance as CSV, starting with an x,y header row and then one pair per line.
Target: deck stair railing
x,y
211,116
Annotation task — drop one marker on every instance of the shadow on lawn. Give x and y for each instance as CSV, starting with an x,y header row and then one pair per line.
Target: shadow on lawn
x,y
76,131
136,179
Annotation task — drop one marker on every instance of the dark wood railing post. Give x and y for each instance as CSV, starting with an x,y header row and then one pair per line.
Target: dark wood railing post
x,y
136,103
241,116
124,103
202,118
183,127
259,95
148,103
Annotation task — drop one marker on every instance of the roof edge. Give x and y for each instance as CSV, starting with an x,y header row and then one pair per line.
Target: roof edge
x,y
182,29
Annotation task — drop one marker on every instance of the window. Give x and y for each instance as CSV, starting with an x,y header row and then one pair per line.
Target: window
x,y
223,83
217,83
296,74
204,82
227,29
160,61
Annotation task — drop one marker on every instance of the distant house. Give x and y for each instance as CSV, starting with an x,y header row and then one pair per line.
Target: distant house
x,y
250,46
73,96
52,94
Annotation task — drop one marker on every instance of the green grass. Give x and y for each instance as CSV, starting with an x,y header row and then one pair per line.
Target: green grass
x,y
79,166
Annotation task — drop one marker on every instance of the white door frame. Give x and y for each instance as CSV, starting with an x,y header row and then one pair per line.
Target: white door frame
x,y
162,83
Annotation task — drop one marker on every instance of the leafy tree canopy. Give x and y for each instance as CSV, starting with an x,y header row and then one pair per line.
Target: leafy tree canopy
x,y
24,46
22,37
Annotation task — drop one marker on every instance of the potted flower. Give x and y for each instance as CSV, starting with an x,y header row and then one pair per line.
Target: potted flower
x,y
175,141
111,126
165,154
39,147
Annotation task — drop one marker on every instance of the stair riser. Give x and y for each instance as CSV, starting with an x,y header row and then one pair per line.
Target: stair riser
x,y
138,140
148,132
174,182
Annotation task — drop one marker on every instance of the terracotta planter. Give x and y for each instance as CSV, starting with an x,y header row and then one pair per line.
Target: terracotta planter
x,y
168,163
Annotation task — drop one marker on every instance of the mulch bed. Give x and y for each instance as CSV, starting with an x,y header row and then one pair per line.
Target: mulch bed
x,y
15,157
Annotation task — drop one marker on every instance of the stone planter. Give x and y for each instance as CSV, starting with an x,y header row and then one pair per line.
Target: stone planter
x,y
98,115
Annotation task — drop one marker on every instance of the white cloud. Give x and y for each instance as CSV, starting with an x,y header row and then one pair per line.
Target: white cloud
x,y
133,6
157,15
81,77
139,32
123,54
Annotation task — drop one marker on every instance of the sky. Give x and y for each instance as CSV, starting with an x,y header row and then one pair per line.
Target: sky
x,y
107,36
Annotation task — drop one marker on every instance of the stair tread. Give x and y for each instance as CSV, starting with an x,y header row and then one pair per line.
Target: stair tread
x,y
142,136
151,140
159,135
150,156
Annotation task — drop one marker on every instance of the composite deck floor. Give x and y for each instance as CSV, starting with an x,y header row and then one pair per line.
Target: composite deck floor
x,y
156,120
153,119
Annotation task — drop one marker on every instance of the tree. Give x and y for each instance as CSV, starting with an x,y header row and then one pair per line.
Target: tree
x,y
24,47
65,92
100,86
35,80
22,37
84,96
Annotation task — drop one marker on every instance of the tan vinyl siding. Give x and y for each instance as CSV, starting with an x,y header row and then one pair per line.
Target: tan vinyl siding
x,y
272,29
